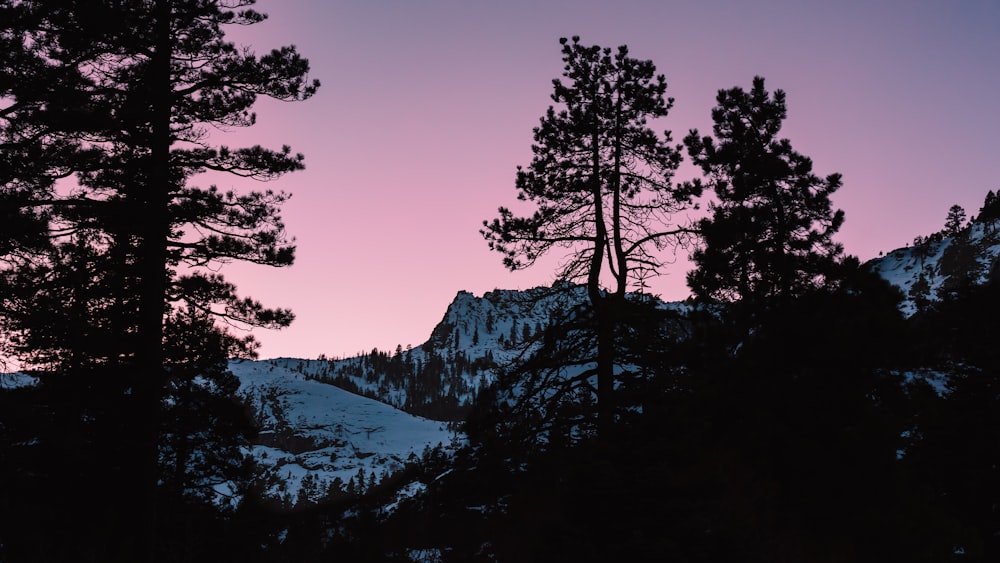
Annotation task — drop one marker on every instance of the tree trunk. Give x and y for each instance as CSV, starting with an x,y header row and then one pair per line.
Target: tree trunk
x,y
598,300
152,281
604,317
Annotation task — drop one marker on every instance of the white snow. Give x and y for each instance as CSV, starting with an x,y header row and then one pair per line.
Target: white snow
x,y
336,434
16,380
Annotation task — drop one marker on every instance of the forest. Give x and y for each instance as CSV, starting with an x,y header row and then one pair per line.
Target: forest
x,y
798,407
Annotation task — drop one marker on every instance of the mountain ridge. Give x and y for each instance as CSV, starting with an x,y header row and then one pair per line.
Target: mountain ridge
x,y
478,333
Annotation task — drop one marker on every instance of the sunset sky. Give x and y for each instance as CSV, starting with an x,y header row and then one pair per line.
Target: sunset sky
x,y
428,106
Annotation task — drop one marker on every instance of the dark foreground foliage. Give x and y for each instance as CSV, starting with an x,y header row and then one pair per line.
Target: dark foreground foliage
x,y
801,440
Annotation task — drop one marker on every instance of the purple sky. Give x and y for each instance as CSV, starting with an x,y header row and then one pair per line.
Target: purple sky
x,y
427,108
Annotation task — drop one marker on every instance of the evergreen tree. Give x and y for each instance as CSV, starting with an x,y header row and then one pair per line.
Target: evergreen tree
x,y
811,388
990,211
205,431
960,264
118,97
955,221
601,180
769,236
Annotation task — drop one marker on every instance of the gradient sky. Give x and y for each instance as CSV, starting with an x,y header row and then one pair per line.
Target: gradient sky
x,y
427,107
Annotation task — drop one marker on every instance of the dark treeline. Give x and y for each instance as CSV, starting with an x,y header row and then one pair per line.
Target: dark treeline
x,y
429,383
780,416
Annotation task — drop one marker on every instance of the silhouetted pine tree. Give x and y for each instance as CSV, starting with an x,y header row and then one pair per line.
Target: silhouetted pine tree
x,y
118,96
955,221
601,180
770,233
800,397
959,264
990,211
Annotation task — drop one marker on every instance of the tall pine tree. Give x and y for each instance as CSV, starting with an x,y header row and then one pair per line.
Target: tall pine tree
x,y
601,180
769,236
107,109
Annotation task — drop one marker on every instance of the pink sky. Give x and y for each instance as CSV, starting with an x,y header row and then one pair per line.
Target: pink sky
x,y
427,108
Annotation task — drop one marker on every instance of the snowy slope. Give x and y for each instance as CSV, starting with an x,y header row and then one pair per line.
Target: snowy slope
x,y
940,261
16,379
316,438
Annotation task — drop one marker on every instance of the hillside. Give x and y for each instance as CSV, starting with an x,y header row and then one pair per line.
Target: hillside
x,y
942,263
316,440
440,378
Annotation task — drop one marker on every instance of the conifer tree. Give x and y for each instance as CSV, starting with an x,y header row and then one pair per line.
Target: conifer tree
x,y
960,264
119,98
990,211
601,181
955,221
203,428
770,233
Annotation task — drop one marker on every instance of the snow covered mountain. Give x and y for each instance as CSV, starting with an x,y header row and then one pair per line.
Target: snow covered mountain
x,y
942,263
440,378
